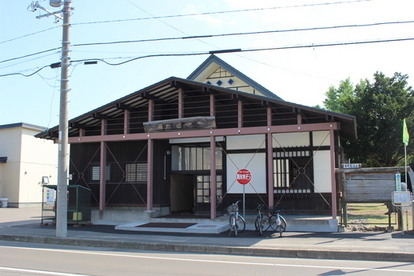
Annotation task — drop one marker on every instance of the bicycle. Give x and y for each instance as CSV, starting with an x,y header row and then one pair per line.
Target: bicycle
x,y
277,222
236,221
262,220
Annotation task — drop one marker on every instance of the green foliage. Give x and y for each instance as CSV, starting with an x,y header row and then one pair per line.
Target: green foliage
x,y
379,108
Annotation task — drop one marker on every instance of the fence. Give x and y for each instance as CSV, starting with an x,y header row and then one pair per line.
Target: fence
x,y
376,217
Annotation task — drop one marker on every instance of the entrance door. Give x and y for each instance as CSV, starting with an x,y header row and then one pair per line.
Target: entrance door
x,y
182,193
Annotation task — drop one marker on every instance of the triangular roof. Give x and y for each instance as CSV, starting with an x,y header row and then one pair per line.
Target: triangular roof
x,y
215,71
165,93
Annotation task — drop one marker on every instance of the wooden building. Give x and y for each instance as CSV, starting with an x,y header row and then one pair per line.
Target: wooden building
x,y
185,145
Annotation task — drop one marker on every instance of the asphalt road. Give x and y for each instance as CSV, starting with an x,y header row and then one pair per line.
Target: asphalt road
x,y
19,258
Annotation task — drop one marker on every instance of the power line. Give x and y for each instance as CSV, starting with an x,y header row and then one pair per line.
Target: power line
x,y
346,43
29,55
218,35
26,35
243,33
189,15
221,12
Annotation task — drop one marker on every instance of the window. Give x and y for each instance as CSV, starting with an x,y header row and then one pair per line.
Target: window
x,y
136,172
293,171
194,158
96,173
203,188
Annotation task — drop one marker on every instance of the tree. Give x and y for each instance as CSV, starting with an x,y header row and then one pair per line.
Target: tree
x,y
379,108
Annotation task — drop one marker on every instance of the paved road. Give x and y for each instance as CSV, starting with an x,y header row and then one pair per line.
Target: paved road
x,y
40,259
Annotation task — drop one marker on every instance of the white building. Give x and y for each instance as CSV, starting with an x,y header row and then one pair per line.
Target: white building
x,y
24,160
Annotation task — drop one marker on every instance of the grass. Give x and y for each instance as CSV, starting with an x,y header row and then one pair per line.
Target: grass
x,y
367,216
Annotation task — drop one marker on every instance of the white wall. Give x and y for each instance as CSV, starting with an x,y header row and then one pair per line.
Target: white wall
x,y
321,138
10,140
254,162
322,171
298,139
38,158
246,142
28,159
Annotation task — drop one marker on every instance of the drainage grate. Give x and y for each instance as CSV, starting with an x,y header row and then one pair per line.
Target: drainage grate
x,y
167,225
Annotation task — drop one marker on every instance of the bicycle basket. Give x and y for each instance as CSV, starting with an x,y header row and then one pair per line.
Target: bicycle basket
x,y
233,208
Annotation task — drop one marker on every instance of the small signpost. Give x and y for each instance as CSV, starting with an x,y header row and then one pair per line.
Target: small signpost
x,y
244,176
403,200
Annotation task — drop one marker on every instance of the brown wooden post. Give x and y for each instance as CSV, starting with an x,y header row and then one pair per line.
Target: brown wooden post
x,y
102,171
270,178
213,178
212,106
150,110
180,103
239,114
150,159
127,115
299,118
333,179
150,173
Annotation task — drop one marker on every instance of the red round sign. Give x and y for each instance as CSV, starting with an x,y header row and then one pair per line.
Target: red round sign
x,y
243,176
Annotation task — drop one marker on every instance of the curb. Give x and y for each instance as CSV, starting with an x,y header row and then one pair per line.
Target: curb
x,y
214,249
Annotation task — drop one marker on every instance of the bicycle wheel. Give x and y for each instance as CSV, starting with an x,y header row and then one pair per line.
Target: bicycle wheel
x,y
240,223
262,223
266,222
258,223
282,226
272,223
232,222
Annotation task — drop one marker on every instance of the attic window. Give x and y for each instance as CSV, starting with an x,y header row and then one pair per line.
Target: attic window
x,y
220,73
3,159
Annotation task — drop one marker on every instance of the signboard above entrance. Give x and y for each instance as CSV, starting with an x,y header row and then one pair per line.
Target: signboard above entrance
x,y
190,123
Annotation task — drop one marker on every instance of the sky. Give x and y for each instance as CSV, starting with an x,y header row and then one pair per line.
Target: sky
x,y
298,74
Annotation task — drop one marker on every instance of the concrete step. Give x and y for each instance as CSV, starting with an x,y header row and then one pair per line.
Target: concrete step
x,y
218,225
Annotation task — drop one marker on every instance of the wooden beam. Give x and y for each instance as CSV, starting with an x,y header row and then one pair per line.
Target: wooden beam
x,y
208,133
124,106
98,115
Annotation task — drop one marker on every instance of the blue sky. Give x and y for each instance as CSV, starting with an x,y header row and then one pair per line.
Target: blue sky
x,y
300,75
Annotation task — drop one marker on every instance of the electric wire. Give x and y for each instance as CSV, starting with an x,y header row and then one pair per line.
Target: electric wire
x,y
215,35
243,33
239,50
26,35
222,12
30,55
187,15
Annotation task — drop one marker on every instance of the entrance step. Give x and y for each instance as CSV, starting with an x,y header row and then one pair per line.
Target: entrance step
x,y
219,225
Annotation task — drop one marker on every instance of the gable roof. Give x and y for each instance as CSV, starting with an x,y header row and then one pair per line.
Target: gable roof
x,y
165,93
237,80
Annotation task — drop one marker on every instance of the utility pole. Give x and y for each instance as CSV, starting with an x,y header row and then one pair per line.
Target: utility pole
x,y
63,160
63,157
